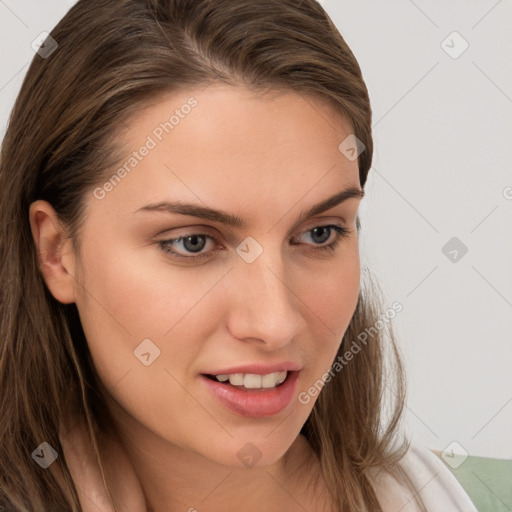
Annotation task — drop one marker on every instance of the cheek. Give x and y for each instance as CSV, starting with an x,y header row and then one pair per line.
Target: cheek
x,y
139,293
131,296
332,295
331,299
128,300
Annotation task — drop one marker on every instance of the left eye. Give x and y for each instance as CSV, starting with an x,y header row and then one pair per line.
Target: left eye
x,y
195,242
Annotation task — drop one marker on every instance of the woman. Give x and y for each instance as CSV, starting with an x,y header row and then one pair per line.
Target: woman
x,y
174,336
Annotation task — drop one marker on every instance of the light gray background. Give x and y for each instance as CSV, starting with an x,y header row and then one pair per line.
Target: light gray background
x,y
442,165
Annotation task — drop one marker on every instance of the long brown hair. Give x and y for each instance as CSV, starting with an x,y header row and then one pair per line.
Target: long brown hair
x,y
113,57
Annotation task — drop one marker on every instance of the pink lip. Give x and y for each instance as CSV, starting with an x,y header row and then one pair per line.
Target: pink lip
x,y
254,403
258,368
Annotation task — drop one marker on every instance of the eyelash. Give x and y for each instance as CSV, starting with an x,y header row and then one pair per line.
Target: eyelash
x,y
340,232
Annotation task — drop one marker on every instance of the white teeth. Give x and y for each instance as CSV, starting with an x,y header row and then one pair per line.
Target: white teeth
x,y
282,377
237,379
253,381
269,381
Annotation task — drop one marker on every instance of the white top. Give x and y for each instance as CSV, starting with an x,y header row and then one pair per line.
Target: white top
x,y
434,483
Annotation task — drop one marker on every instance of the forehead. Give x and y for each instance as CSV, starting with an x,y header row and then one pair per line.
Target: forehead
x,y
223,143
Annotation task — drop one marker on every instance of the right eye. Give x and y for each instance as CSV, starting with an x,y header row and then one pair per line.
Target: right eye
x,y
193,242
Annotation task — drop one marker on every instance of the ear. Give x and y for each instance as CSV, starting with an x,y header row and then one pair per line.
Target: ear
x,y
55,254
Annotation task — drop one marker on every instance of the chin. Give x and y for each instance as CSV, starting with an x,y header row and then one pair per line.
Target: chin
x,y
249,451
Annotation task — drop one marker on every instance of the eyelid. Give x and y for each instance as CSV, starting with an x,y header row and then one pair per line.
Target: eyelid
x,y
319,222
322,221
235,240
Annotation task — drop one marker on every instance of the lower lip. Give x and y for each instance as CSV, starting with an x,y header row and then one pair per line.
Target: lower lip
x,y
254,403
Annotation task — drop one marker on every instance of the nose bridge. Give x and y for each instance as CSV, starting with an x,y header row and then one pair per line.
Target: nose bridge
x,y
263,305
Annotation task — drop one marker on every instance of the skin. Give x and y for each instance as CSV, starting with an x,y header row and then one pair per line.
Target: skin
x,y
266,159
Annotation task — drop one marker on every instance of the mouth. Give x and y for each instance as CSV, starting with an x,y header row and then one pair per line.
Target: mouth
x,y
253,395
251,381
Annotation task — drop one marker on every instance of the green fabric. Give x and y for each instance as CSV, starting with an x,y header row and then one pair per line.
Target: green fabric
x,y
487,481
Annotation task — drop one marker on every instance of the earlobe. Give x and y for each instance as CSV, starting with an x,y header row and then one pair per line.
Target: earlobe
x,y
54,251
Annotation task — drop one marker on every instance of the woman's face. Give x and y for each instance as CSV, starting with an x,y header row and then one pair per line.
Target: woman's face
x,y
160,314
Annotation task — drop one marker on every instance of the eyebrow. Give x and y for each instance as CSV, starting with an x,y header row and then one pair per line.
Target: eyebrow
x,y
196,210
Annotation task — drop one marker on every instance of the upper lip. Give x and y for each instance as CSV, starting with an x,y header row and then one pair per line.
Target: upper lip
x,y
258,368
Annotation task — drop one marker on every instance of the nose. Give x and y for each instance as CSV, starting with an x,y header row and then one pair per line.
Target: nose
x,y
262,303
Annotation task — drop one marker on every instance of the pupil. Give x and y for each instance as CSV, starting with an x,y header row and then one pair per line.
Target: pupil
x,y
194,246
326,231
